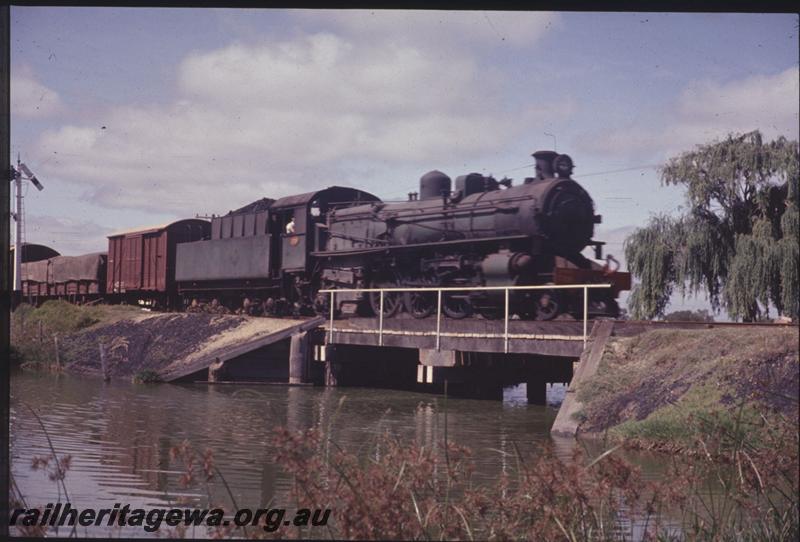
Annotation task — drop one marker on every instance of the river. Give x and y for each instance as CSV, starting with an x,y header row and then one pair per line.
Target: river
x,y
119,435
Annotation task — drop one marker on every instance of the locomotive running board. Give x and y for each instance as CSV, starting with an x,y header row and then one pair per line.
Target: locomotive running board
x,y
376,250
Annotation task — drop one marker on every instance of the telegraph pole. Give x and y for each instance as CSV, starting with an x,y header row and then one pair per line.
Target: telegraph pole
x,y
18,220
5,286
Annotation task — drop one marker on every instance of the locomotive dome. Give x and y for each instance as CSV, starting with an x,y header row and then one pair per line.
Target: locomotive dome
x,y
433,184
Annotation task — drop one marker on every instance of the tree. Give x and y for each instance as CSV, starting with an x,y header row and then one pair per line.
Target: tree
x,y
700,315
739,239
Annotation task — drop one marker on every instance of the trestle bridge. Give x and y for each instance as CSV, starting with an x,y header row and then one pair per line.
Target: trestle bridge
x,y
472,357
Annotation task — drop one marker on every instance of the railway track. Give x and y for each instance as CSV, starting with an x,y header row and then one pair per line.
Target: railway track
x,y
662,323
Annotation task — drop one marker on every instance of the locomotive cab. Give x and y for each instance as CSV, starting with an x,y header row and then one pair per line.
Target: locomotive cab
x,y
310,212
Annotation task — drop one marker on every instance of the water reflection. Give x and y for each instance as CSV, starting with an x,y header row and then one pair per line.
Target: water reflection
x,y
120,435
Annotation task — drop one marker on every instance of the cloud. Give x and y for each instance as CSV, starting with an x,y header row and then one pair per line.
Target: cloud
x,y
69,236
281,117
442,29
30,98
706,110
324,72
766,102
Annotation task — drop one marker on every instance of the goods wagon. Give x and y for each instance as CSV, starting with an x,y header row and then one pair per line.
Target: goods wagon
x,y
79,275
35,279
31,252
77,278
141,262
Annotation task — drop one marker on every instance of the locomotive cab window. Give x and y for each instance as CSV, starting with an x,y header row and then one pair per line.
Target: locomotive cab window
x,y
293,222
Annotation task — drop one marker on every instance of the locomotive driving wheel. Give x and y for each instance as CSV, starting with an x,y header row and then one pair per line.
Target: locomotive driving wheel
x,y
421,304
488,306
456,305
491,312
392,301
547,306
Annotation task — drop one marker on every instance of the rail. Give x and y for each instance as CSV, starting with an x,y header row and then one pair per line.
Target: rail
x,y
506,289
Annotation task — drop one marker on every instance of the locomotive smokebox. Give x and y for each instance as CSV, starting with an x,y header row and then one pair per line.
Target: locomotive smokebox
x,y
433,184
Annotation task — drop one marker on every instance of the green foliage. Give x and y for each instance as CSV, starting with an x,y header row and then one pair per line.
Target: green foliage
x,y
739,240
701,315
146,376
700,411
662,386
57,316
654,266
33,329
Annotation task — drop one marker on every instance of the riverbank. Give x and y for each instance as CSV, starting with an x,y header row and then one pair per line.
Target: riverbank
x,y
665,389
413,466
59,336
35,330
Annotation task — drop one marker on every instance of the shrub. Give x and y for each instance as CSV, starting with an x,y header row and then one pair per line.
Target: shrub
x,y
147,376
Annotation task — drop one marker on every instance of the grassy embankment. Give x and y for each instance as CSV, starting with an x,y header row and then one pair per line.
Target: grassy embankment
x,y
34,330
136,344
665,389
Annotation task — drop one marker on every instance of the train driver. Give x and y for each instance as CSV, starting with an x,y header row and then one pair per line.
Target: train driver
x,y
290,226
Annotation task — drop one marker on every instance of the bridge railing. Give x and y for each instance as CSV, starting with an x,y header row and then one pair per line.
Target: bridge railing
x,y
439,290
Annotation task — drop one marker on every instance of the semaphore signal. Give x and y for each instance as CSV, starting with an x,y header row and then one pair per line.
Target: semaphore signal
x,y
21,173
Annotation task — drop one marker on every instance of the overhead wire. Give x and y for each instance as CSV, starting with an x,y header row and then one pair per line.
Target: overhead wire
x,y
632,168
593,174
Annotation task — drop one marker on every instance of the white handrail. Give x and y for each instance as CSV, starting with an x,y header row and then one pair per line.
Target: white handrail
x,y
439,290
467,288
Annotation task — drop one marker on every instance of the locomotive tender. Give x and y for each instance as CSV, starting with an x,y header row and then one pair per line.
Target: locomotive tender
x,y
273,256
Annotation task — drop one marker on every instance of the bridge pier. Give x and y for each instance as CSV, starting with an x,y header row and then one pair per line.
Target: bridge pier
x,y
331,374
537,390
216,371
477,358
354,365
298,358
479,384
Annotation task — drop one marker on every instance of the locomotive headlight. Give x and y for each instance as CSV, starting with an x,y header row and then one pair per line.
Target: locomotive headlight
x,y
563,165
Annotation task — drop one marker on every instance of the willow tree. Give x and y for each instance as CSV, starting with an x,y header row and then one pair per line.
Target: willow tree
x,y
738,241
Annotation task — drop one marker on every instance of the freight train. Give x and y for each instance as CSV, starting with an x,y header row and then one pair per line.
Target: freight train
x,y
273,257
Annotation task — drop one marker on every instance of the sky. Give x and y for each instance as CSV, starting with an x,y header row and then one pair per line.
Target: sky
x,y
139,116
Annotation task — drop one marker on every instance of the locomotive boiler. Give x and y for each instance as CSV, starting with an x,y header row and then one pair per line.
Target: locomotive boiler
x,y
480,232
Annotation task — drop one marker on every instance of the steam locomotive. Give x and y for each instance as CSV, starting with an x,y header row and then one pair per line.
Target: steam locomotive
x,y
273,257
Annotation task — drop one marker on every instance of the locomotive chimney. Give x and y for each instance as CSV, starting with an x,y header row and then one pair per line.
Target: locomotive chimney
x,y
434,184
544,164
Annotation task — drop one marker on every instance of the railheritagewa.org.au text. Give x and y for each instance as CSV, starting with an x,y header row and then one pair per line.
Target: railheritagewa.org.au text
x,y
151,520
